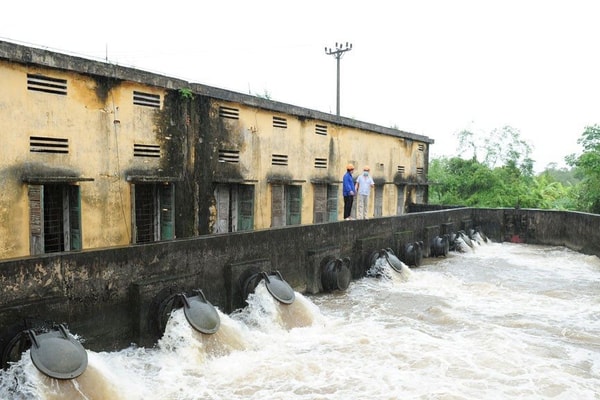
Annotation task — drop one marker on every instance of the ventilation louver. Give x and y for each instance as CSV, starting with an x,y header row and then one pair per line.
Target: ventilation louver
x,y
39,144
279,159
279,122
229,113
146,99
321,129
229,156
320,163
46,84
146,150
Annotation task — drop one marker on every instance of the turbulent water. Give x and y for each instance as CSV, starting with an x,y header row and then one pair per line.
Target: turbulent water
x,y
505,321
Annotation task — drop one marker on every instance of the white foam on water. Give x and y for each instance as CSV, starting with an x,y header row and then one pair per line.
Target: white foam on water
x,y
505,321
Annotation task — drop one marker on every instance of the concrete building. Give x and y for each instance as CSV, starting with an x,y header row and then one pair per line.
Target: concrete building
x,y
98,155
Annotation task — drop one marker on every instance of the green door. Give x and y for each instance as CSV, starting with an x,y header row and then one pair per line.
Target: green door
x,y
246,208
167,212
74,199
332,202
293,205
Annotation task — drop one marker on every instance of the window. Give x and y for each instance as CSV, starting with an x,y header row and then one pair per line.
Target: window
x,y
54,218
235,208
286,205
325,203
153,212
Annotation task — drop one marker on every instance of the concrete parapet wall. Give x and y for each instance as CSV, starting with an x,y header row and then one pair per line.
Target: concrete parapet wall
x,y
110,296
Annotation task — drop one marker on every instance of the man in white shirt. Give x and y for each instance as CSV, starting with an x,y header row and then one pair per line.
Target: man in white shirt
x,y
364,183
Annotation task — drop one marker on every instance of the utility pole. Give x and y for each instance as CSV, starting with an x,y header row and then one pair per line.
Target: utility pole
x,y
338,52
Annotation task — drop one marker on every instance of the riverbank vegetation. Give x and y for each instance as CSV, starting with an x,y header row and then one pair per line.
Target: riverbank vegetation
x,y
497,171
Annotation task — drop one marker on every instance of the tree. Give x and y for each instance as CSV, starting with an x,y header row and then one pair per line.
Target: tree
x,y
504,178
587,164
501,147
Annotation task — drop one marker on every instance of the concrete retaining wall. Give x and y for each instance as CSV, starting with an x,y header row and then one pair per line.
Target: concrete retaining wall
x,y
113,297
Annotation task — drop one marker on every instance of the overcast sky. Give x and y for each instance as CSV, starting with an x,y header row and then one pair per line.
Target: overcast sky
x,y
433,68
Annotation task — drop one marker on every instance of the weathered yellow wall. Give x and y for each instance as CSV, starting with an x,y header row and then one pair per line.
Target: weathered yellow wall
x,y
98,149
102,124
341,145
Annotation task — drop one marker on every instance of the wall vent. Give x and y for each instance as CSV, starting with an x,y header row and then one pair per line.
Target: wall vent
x,y
321,129
420,171
279,159
46,84
39,144
146,99
229,113
279,122
320,163
401,169
229,156
421,147
146,150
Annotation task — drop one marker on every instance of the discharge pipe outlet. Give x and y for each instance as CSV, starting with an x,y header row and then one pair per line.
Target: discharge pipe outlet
x,y
57,353
276,285
336,275
201,315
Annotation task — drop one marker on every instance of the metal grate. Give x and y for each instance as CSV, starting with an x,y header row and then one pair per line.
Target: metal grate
x,y
146,150
46,84
321,129
53,219
229,156
229,113
320,163
279,122
279,159
144,213
40,144
146,99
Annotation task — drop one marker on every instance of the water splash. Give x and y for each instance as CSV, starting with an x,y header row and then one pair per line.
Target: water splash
x,y
505,321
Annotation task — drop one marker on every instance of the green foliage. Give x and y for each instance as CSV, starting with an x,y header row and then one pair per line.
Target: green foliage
x,y
186,93
503,179
474,184
501,147
566,177
587,165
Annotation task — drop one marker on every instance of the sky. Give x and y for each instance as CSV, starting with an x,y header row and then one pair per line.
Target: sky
x,y
429,67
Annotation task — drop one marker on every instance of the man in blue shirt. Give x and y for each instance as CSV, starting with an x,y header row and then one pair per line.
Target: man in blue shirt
x,y
348,191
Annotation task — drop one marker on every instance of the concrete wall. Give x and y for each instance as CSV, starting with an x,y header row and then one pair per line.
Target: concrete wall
x,y
112,297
